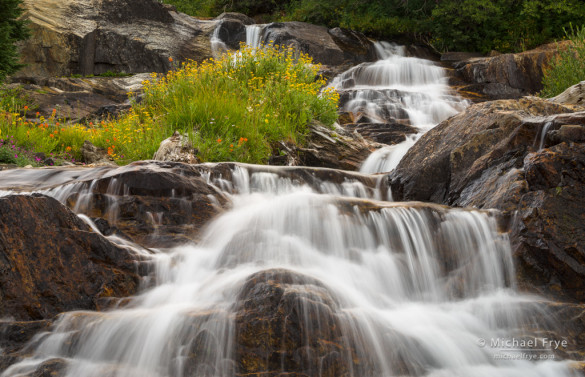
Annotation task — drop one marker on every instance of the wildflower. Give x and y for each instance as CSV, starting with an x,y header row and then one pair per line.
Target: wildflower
x,y
219,140
26,107
170,59
51,135
231,145
38,113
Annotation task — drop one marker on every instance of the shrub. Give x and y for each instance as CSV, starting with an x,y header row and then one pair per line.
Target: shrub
x,y
568,68
12,29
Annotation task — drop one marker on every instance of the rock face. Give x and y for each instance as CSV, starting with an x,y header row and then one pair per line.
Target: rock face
x,y
334,47
507,75
330,47
95,36
64,266
155,204
338,148
526,158
79,98
176,148
276,311
94,155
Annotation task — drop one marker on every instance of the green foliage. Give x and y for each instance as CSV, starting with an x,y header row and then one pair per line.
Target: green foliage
x,y
462,25
12,99
12,29
569,67
237,108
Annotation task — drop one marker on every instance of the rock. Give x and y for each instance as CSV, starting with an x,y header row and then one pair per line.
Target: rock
x,y
575,95
52,262
176,148
336,148
232,32
154,204
79,98
549,234
479,145
490,156
455,56
384,133
92,37
236,16
94,155
331,48
508,75
275,311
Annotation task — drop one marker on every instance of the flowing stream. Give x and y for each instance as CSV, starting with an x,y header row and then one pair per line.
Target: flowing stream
x,y
383,288
397,89
414,289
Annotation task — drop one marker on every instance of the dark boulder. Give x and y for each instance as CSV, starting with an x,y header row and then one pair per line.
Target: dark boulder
x,y
329,48
290,322
52,262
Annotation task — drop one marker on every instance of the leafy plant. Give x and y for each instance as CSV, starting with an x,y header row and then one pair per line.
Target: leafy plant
x,y
568,68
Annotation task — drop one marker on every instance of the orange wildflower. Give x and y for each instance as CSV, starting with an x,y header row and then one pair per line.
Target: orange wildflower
x,y
219,140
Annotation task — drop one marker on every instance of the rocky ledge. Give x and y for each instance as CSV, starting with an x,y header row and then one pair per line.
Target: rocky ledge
x,y
51,261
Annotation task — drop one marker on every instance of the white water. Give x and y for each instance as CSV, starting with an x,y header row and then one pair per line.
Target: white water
x,y
415,287
218,47
543,133
254,35
397,88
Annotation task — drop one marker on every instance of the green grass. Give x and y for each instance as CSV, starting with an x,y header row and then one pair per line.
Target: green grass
x,y
568,68
237,108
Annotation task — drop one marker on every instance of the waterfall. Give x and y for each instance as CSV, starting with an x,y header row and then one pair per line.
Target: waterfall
x,y
396,89
254,35
405,288
218,46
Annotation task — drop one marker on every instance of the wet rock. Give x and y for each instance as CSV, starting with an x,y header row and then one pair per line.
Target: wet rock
x,y
290,322
232,32
156,205
384,133
508,75
337,148
52,262
94,155
490,156
176,148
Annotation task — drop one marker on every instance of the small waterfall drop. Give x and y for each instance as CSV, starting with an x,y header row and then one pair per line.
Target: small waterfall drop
x,y
396,89
254,35
218,47
384,288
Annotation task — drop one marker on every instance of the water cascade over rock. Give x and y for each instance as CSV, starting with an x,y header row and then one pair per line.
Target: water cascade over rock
x,y
310,272
396,92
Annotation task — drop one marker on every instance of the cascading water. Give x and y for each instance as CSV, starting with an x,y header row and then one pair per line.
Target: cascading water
x,y
254,35
396,89
383,288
